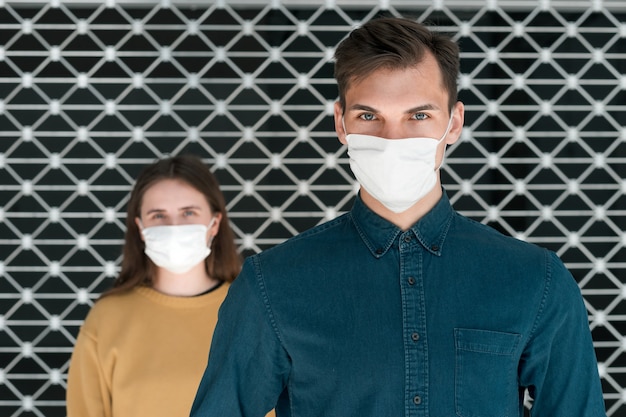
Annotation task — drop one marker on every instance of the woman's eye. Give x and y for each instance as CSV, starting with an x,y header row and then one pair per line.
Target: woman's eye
x,y
368,116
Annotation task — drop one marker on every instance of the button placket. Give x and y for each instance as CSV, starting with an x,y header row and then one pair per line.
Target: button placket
x,y
414,331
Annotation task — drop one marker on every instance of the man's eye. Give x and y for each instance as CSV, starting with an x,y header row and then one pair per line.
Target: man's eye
x,y
368,116
420,116
188,213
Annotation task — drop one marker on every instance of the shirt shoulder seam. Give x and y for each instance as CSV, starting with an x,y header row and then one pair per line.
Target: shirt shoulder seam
x,y
545,294
265,298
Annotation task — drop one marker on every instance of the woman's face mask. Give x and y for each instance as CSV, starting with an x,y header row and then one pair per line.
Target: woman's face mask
x,y
177,248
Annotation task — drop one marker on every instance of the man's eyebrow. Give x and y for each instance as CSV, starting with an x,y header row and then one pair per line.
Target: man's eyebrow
x,y
422,108
363,107
417,109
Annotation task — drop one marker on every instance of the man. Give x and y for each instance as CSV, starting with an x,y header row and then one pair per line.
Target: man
x,y
401,307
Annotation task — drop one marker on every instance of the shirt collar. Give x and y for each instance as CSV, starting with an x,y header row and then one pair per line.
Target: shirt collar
x,y
379,234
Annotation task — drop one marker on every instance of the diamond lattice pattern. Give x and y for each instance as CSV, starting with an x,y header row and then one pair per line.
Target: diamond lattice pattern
x,y
89,93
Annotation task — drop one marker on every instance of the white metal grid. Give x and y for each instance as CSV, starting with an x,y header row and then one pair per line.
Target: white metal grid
x,y
90,91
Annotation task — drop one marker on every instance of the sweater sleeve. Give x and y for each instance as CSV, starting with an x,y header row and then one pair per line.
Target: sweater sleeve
x,y
88,394
558,364
248,366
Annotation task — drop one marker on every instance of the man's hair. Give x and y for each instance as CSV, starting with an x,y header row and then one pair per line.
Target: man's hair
x,y
394,43
224,263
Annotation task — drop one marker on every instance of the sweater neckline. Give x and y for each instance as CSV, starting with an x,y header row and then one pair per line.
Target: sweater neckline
x,y
216,294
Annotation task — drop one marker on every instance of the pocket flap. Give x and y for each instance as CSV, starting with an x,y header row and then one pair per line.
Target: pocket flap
x,y
486,341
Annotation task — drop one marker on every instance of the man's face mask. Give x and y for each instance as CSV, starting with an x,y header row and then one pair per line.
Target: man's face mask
x,y
396,172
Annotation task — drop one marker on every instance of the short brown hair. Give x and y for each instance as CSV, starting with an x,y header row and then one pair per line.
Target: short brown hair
x,y
223,264
394,43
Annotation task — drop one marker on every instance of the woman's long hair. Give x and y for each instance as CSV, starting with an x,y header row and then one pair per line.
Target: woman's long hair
x,y
223,264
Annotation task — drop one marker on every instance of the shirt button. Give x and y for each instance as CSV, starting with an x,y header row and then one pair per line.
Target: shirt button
x,y
417,400
435,248
407,238
415,336
411,281
379,251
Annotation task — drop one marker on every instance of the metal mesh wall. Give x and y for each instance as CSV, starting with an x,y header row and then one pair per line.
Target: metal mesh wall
x,y
91,91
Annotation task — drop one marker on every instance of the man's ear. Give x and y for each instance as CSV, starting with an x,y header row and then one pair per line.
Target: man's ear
x,y
458,118
339,128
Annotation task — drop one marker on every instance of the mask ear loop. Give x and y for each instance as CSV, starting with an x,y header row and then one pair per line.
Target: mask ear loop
x,y
141,228
443,156
213,236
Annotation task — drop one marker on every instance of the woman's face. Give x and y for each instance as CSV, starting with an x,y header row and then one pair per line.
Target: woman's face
x,y
174,202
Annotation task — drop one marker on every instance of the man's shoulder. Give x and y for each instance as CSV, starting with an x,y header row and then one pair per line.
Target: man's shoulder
x,y
486,236
303,254
516,266
323,234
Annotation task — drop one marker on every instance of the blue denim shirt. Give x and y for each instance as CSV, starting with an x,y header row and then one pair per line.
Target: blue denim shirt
x,y
357,318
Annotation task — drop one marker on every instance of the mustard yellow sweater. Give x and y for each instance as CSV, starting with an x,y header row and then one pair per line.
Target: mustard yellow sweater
x,y
142,354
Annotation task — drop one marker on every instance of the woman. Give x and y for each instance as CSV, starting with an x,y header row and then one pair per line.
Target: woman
x,y
144,344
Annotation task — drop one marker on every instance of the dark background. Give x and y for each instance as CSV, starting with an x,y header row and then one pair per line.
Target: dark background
x,y
89,93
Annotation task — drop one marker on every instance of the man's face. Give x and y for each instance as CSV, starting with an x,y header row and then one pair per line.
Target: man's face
x,y
397,104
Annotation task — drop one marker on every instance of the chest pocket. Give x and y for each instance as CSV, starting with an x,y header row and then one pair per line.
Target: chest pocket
x,y
486,373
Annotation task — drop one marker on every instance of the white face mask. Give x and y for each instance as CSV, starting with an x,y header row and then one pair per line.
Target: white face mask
x,y
177,248
396,172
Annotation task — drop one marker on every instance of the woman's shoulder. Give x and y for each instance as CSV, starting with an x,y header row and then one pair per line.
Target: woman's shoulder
x,y
110,307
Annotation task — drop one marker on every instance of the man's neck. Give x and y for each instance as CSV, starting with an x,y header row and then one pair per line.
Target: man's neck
x,y
409,217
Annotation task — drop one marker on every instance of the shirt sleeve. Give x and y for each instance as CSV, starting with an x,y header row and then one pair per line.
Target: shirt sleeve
x,y
87,393
248,366
558,364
